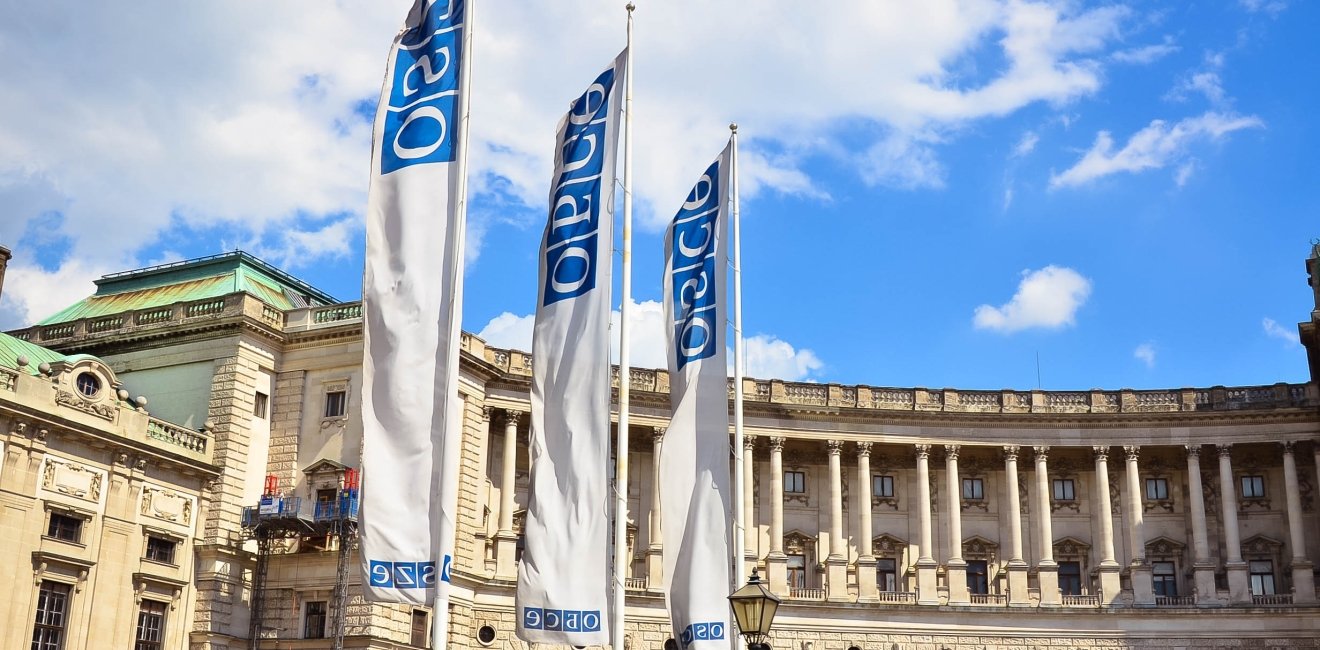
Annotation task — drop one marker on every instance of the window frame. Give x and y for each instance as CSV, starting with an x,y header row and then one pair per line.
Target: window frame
x,y
880,481
48,634
973,488
337,397
261,405
1165,583
1070,578
424,630
322,616
1261,583
886,574
1157,488
173,545
800,572
801,476
1256,483
1063,489
160,616
52,532
978,577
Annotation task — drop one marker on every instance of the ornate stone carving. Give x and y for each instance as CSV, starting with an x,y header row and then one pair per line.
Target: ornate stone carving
x,y
1193,451
1225,451
75,401
72,479
512,416
749,443
167,505
1041,452
922,451
486,412
1132,453
834,447
658,436
864,449
951,452
888,546
1101,453
1010,452
776,443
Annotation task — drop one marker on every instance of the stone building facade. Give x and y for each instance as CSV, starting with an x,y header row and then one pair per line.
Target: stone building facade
x,y
887,518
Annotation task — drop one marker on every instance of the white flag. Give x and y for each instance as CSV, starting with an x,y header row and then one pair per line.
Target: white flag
x,y
412,297
694,457
563,582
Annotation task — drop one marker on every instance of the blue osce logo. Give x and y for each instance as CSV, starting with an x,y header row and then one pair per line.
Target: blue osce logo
x,y
692,280
423,95
561,620
571,244
405,575
712,631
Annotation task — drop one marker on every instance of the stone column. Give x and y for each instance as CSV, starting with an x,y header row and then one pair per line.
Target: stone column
x,y
1017,567
1302,577
1108,569
750,538
955,570
1238,589
506,541
655,562
1143,589
1047,571
926,564
776,563
867,589
836,564
1202,565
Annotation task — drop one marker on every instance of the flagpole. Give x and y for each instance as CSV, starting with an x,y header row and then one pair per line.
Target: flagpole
x,y
440,606
739,511
625,374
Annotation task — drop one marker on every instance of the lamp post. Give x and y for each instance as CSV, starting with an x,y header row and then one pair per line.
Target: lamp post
x,y
754,609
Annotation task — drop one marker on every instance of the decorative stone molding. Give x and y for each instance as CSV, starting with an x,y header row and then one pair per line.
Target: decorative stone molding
x,y
834,447
106,410
1011,452
73,479
486,412
888,546
951,452
922,451
776,443
512,416
167,505
864,449
1041,452
1131,453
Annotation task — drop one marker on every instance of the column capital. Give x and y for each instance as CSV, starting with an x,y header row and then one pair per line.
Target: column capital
x,y
486,412
1132,453
1042,452
951,451
511,416
864,449
1011,452
776,443
923,451
658,434
834,446
1225,451
1101,452
749,442
1193,451
1288,447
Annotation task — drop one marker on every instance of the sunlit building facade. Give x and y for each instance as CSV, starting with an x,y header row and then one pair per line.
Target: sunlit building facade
x,y
885,517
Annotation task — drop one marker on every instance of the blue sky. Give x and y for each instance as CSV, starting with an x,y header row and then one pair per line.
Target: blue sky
x,y
935,194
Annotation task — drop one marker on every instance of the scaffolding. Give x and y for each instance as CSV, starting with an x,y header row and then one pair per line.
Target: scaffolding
x,y
279,517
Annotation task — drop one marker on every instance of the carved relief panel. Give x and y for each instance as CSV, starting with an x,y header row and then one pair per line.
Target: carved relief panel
x,y
163,506
71,479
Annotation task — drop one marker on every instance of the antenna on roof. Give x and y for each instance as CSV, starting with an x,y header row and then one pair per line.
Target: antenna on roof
x,y
1037,369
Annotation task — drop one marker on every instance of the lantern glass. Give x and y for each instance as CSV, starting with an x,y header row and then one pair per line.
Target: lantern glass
x,y
754,608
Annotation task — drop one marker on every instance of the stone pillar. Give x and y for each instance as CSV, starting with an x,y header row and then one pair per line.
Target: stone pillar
x,y
1302,577
750,538
1047,571
926,564
1108,569
836,564
867,589
1238,589
506,541
655,560
776,563
1143,589
1202,565
1017,567
955,570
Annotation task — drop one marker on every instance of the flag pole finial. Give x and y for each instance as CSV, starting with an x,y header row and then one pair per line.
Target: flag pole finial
x,y
733,126
630,7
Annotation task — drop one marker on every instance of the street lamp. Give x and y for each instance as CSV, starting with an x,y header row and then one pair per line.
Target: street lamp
x,y
754,609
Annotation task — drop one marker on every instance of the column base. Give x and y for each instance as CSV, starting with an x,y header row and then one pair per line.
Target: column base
x,y
655,568
1048,575
1207,595
836,579
868,590
927,589
1239,591
506,551
1143,585
955,573
1017,584
1110,584
776,571
1303,580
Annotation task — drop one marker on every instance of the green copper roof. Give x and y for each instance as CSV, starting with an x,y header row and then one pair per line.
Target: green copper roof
x,y
12,348
199,279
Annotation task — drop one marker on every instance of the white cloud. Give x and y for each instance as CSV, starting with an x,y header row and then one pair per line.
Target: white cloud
x,y
32,293
1271,7
1205,82
1184,173
1147,53
1153,147
1047,298
239,119
1145,353
768,357
1025,145
1275,330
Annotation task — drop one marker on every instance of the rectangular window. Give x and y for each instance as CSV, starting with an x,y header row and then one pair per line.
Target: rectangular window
x,y
65,528
336,403
795,482
1262,577
1166,578
326,504
150,625
1070,578
260,405
1157,489
887,573
160,549
52,606
882,486
973,489
797,571
314,620
978,578
420,628
1064,490
1253,487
